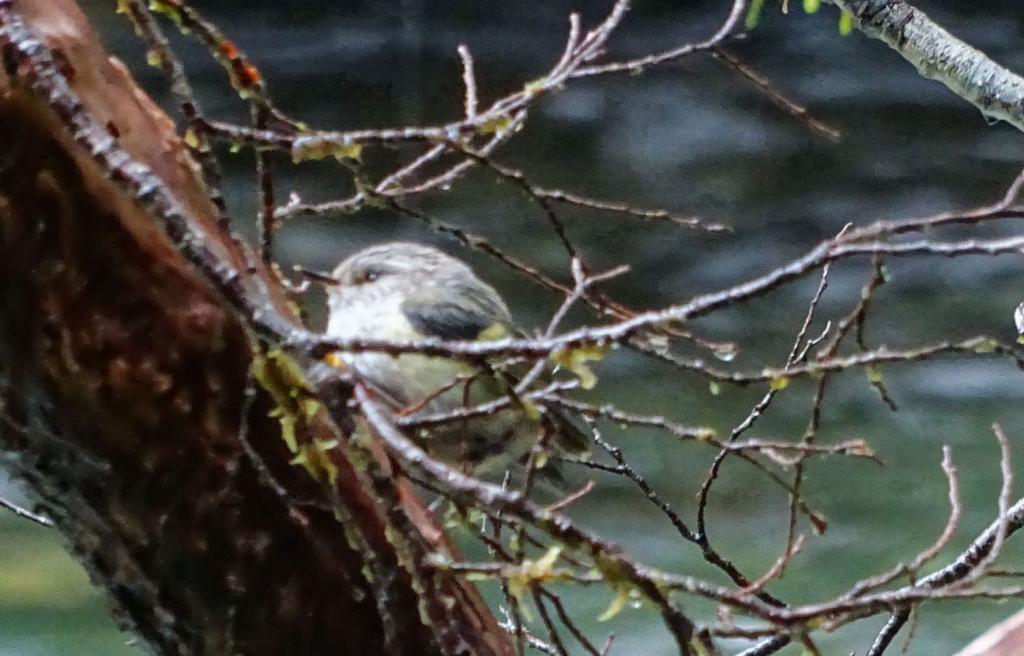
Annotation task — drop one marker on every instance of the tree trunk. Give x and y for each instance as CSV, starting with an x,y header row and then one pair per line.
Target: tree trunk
x,y
125,373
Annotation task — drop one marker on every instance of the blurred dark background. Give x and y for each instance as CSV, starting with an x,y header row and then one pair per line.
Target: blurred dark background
x,y
695,138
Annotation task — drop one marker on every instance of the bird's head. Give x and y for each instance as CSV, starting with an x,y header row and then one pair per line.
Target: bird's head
x,y
393,270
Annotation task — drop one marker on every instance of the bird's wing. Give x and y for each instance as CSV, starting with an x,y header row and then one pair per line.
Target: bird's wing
x,y
483,315
446,320
479,312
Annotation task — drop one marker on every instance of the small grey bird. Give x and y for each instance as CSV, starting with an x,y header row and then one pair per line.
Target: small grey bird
x,y
405,291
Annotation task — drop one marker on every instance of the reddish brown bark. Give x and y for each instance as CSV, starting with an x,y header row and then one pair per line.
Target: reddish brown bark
x,y
124,374
1003,639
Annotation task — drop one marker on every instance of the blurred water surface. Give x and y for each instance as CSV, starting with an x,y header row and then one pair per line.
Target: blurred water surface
x,y
695,138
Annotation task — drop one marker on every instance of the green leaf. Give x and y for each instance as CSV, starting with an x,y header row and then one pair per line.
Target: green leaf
x,y
812,6
535,87
192,139
310,147
315,458
575,360
543,566
288,432
617,604
529,572
753,14
496,124
779,383
846,24
310,407
170,11
616,576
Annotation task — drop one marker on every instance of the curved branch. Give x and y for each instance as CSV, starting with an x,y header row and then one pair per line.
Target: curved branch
x,y
938,55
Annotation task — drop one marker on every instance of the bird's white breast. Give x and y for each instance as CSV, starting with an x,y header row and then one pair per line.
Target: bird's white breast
x,y
409,378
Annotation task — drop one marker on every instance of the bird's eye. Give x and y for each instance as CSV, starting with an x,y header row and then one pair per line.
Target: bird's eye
x,y
366,275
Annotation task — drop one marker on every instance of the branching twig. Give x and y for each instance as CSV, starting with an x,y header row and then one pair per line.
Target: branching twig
x,y
25,513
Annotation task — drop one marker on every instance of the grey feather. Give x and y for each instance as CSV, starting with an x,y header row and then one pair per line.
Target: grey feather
x,y
479,307
446,320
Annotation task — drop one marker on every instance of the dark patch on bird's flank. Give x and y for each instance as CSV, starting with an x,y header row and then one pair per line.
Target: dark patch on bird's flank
x,y
446,320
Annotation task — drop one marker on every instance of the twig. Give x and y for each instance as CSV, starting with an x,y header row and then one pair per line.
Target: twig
x,y
25,513
775,96
469,81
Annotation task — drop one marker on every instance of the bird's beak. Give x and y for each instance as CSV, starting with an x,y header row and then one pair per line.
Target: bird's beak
x,y
318,277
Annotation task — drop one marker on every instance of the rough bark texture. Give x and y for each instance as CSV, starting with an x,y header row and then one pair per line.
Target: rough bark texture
x,y
124,375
